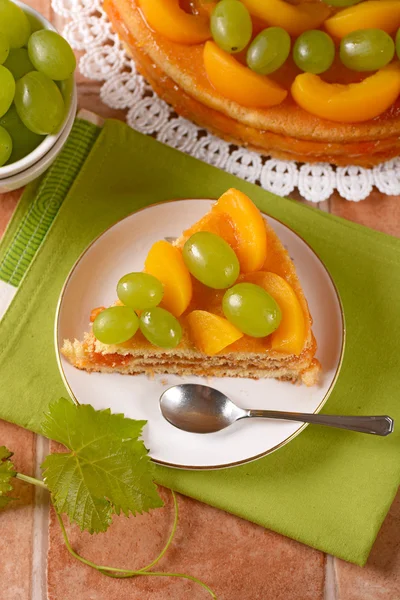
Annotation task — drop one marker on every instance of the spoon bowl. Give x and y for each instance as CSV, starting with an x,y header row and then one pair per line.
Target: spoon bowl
x,y
198,408
202,409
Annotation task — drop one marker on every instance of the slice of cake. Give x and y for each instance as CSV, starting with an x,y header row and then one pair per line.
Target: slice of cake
x,y
223,300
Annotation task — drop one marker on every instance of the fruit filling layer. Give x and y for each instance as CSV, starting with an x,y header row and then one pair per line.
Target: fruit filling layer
x,y
338,59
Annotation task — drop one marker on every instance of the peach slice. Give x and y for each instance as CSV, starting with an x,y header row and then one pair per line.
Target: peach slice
x,y
214,223
379,14
249,229
352,103
95,312
210,333
203,7
166,263
237,82
168,18
295,19
290,335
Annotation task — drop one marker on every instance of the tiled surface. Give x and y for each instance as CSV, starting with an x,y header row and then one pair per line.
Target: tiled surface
x,y
16,522
380,579
238,559
377,211
8,202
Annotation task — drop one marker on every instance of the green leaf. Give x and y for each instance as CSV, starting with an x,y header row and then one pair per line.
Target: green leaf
x,y
6,473
107,469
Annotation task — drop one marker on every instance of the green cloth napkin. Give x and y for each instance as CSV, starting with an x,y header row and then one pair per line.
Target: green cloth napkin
x,y
329,489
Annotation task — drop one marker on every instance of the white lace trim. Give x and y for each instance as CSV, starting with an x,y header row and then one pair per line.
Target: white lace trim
x,y
105,60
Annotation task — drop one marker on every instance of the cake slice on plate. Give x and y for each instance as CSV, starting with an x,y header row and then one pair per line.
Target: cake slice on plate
x,y
223,300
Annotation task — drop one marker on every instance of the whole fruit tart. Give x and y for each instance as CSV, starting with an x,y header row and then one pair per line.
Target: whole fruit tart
x,y
305,80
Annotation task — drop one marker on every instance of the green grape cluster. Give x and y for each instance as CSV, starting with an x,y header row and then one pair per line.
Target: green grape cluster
x,y
36,80
211,260
313,51
361,50
139,293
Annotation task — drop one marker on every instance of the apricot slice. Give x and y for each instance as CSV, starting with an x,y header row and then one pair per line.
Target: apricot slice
x,y
352,103
203,7
95,312
295,19
237,82
168,18
166,263
210,333
214,223
378,14
249,228
290,335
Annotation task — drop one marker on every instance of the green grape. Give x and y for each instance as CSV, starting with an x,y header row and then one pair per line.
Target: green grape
x,y
14,24
66,88
18,63
51,54
211,260
35,23
160,328
7,90
251,309
314,51
269,50
342,2
366,50
398,43
140,290
5,146
39,103
4,48
231,25
23,140
115,325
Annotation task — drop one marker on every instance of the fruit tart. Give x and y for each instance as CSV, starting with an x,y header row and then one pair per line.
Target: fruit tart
x,y
223,300
308,80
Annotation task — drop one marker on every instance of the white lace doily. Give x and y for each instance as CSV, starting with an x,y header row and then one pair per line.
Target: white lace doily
x,y
105,60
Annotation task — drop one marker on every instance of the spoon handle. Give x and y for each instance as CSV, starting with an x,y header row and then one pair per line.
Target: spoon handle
x,y
379,425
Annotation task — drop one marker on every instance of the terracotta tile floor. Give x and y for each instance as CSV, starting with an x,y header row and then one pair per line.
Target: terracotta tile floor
x,y
16,523
239,560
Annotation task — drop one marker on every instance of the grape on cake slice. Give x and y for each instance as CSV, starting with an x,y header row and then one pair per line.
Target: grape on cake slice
x,y
223,300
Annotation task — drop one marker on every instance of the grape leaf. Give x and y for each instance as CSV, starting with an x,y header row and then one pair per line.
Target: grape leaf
x,y
107,469
6,473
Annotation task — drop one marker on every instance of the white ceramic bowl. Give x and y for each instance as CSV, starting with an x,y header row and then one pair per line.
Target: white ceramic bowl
x,y
33,158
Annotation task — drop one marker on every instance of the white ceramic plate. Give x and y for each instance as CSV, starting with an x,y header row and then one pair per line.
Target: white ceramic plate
x,y
92,282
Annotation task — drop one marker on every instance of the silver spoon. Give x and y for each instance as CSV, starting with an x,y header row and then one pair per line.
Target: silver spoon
x,y
202,409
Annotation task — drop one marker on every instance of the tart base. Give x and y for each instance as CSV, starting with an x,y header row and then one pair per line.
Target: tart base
x,y
92,356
